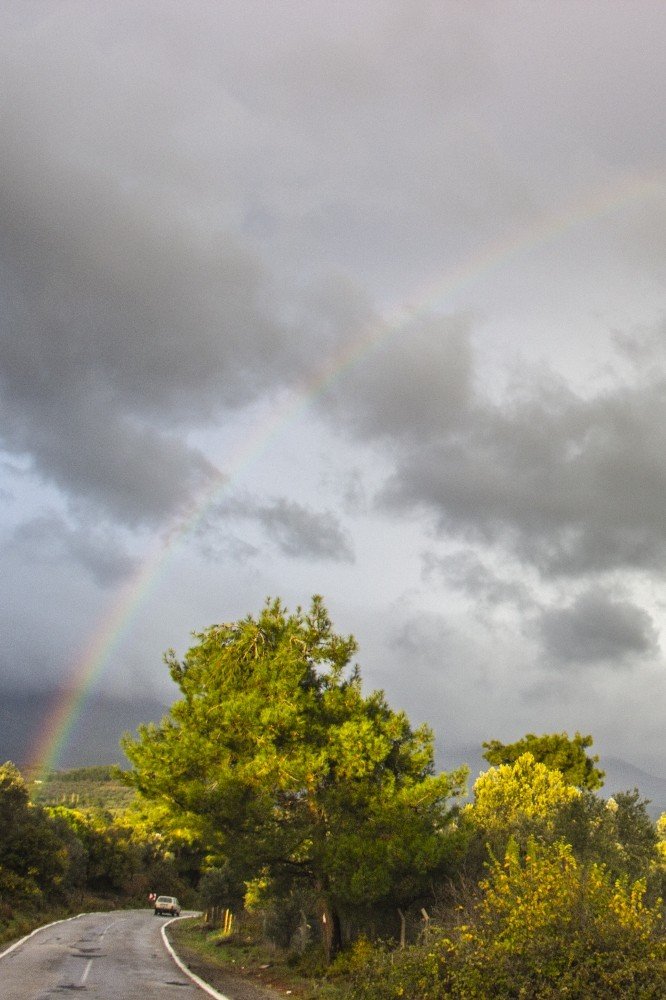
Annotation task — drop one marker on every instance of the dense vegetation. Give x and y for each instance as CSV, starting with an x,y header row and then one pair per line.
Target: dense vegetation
x,y
76,840
282,793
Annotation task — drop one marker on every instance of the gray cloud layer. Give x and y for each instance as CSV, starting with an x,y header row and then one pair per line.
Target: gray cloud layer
x,y
572,484
206,208
119,324
129,313
596,628
49,539
296,530
140,210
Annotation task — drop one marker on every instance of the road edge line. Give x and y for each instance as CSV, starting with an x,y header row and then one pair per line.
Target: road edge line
x,y
53,923
201,983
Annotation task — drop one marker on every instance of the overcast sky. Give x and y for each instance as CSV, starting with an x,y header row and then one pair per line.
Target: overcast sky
x,y
367,298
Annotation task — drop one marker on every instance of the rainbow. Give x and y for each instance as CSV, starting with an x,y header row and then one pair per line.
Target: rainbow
x,y
71,699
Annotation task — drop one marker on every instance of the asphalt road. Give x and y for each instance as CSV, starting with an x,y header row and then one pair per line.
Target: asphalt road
x,y
109,956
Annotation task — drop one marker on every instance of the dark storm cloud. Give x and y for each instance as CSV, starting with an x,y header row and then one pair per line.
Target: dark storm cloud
x,y
157,185
117,329
228,546
127,315
571,484
209,209
597,628
127,471
49,539
424,637
296,530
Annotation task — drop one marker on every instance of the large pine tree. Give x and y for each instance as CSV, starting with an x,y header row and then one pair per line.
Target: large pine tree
x,y
276,758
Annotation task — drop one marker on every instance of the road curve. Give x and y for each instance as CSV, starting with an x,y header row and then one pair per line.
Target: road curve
x,y
110,956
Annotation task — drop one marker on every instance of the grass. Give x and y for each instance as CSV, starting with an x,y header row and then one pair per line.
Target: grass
x,y
302,977
19,924
16,923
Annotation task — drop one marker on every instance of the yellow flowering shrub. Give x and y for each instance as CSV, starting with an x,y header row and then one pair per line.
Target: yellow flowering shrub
x,y
546,927
661,843
551,927
515,796
552,921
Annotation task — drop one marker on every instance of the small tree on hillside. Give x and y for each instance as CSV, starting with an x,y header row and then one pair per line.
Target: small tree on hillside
x,y
557,751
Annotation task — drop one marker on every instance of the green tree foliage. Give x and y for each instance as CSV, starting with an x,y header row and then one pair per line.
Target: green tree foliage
x,y
557,751
54,858
122,855
527,799
220,887
33,858
618,832
288,772
550,925
110,853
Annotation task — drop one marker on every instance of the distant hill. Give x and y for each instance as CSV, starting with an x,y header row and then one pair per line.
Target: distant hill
x,y
94,738
621,775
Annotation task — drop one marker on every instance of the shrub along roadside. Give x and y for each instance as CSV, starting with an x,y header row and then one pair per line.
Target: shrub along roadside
x,y
546,927
15,924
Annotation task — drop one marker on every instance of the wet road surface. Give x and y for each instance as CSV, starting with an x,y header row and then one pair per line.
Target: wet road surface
x,y
108,956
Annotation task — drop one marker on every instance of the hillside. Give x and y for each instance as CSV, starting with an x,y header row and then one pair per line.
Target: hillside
x,y
82,788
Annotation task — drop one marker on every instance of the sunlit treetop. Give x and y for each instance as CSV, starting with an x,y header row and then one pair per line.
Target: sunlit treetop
x,y
512,796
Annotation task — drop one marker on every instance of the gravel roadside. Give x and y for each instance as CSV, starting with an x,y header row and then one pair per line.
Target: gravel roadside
x,y
235,987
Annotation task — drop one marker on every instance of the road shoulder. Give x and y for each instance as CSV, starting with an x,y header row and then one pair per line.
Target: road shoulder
x,y
226,984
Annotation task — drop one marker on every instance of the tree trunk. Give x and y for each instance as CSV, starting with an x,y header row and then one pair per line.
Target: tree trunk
x,y
331,932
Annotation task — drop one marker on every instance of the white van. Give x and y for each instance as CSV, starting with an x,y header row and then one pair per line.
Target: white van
x,y
167,905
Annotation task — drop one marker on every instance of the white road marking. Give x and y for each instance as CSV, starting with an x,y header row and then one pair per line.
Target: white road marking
x,y
86,971
108,927
206,987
